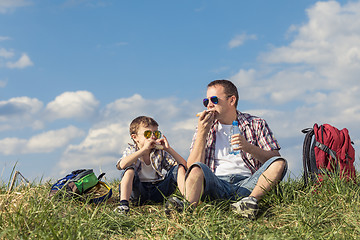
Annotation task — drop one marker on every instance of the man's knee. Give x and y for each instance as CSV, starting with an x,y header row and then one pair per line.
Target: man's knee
x,y
278,167
194,173
280,163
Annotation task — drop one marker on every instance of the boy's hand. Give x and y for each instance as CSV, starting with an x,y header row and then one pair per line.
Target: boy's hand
x,y
149,144
163,142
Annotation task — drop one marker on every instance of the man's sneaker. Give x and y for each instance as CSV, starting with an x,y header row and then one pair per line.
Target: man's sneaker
x,y
246,207
122,209
174,203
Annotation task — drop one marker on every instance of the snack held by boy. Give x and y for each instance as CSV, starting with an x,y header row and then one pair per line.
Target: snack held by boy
x,y
150,167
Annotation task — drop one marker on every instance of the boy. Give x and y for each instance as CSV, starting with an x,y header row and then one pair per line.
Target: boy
x,y
148,167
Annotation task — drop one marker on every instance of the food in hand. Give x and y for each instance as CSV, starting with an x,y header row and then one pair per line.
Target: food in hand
x,y
199,113
159,146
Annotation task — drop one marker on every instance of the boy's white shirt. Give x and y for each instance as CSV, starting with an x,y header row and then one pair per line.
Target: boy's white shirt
x,y
147,173
227,164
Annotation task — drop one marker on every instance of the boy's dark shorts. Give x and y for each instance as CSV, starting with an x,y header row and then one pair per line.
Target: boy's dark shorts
x,y
155,192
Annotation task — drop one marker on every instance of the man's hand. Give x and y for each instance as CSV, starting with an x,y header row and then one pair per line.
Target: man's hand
x,y
241,141
258,153
206,119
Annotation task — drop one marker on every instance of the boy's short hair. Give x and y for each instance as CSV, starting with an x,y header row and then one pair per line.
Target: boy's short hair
x,y
229,88
141,120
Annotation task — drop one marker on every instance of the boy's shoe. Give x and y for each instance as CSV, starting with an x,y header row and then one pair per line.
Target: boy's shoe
x,y
122,209
174,203
246,207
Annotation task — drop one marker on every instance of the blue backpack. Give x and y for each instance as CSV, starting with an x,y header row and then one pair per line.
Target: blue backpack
x,y
83,184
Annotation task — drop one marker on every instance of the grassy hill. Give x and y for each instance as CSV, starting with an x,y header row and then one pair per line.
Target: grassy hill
x,y
331,211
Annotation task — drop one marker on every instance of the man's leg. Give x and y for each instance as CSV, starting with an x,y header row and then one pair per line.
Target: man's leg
x,y
181,179
270,177
270,174
194,185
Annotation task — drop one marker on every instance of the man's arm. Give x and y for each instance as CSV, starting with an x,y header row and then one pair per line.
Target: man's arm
x,y
197,154
257,152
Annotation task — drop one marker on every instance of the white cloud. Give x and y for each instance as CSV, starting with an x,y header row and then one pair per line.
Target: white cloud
x,y
10,5
4,38
80,105
102,146
20,112
313,79
41,143
23,62
240,39
106,140
5,53
3,83
19,107
51,140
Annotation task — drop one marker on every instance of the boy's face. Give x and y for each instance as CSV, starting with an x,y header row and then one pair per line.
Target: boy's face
x,y
140,138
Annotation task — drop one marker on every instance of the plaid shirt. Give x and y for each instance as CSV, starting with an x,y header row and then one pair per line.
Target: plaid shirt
x,y
255,130
160,160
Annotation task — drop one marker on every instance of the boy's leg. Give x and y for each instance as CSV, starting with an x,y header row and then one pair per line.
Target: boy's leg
x,y
181,178
126,184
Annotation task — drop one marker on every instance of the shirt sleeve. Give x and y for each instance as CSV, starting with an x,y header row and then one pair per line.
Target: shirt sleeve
x,y
129,150
266,138
168,161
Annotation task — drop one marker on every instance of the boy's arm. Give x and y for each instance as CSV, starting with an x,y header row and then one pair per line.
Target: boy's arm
x,y
129,159
179,159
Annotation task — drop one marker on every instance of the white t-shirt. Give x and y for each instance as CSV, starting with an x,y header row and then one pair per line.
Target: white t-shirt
x,y
226,163
147,173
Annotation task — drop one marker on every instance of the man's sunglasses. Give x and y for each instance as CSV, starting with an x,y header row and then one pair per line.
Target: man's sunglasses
x,y
148,133
213,99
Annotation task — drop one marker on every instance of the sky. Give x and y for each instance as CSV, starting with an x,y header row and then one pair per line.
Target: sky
x,y
74,73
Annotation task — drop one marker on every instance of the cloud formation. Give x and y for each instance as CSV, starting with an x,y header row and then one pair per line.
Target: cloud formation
x,y
42,143
240,39
316,73
78,105
311,79
23,62
7,6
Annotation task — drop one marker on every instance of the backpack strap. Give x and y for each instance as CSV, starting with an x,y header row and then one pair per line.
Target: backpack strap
x,y
326,149
100,176
306,153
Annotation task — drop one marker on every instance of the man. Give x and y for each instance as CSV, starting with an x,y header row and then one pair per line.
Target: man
x,y
216,174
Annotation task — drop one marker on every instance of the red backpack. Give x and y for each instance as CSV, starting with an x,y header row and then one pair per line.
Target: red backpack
x,y
330,151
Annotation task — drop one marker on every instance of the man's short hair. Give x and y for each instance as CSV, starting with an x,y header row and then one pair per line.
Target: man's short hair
x,y
229,88
141,120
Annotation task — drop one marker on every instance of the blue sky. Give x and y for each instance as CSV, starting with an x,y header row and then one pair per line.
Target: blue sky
x,y
74,73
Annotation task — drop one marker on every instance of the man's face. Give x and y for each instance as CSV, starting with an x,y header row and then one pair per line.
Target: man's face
x,y
223,104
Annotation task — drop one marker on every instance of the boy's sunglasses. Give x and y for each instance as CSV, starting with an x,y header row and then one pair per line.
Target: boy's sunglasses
x,y
213,99
148,133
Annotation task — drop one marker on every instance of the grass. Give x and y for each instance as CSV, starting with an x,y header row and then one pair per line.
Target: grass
x,y
331,211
